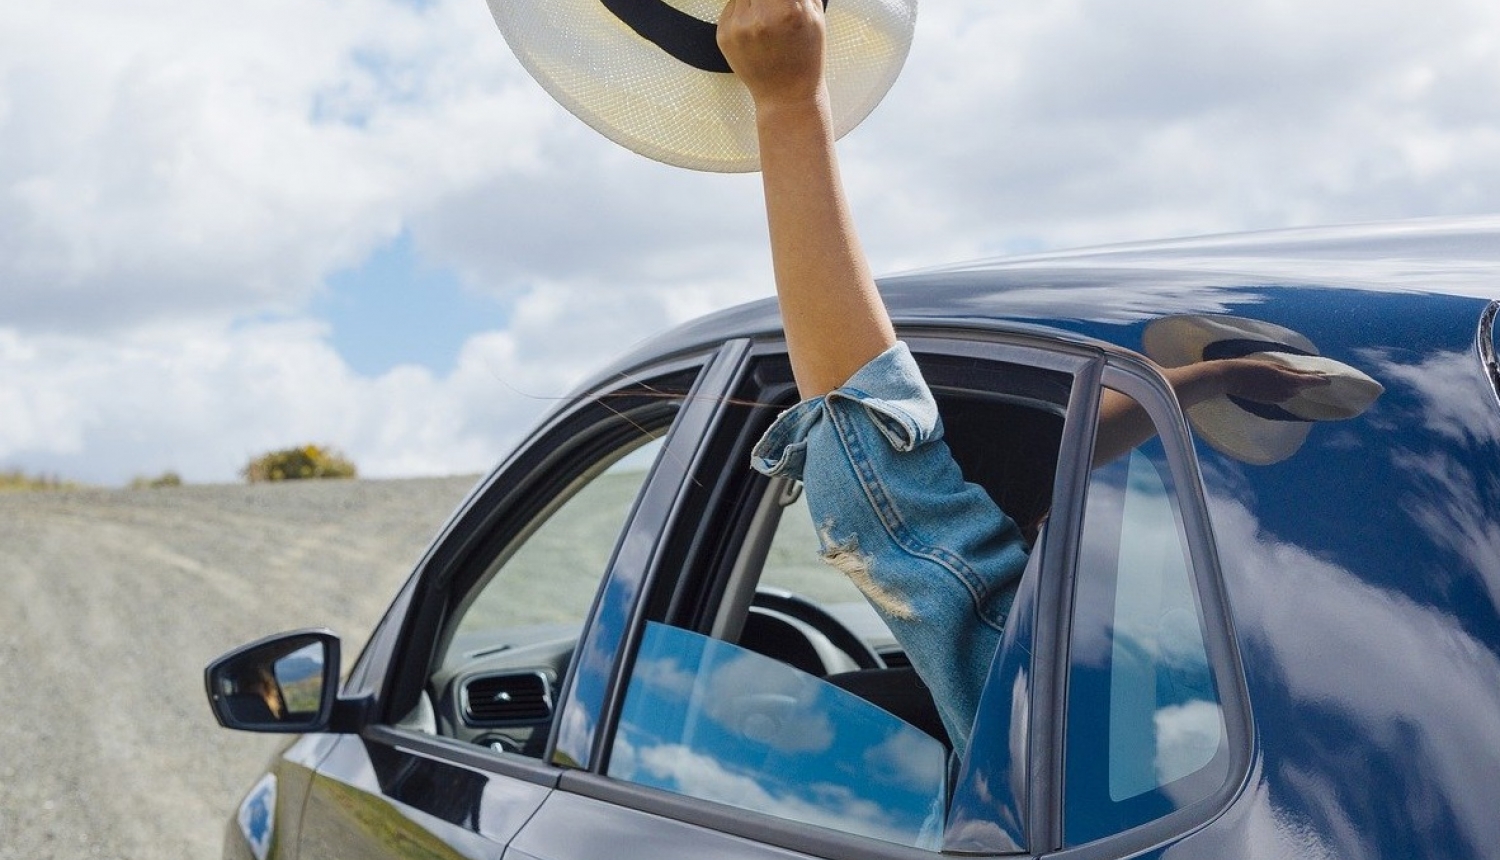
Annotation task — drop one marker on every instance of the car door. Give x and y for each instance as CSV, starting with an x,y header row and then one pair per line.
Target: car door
x,y
479,667
1117,715
765,711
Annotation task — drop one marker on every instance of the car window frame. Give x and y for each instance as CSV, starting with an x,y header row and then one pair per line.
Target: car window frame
x,y
1034,349
503,503
721,375
1134,376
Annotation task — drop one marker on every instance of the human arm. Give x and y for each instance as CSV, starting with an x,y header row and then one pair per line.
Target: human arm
x,y
834,319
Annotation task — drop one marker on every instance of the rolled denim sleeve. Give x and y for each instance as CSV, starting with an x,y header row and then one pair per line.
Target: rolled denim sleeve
x,y
932,553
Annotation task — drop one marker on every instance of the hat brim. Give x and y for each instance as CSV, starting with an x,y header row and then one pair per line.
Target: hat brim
x,y
1236,433
1347,393
637,95
1176,341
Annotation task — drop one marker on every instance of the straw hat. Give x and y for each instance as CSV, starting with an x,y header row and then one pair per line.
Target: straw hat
x,y
649,75
1259,433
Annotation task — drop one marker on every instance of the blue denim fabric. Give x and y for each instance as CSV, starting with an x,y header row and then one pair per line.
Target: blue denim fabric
x,y
933,554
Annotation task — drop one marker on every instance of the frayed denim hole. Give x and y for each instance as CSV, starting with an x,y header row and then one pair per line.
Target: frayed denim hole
x,y
846,557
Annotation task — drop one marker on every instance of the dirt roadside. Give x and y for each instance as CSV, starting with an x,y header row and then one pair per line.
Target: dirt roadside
x,y
112,601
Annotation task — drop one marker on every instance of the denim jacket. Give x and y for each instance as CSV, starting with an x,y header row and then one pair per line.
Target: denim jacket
x,y
935,557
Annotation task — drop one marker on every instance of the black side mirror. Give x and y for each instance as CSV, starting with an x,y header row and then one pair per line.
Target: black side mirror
x,y
283,683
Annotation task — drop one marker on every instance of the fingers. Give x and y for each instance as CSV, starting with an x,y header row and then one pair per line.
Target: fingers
x,y
1268,382
774,46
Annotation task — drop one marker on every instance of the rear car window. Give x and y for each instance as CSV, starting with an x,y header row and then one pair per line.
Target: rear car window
x,y
1145,729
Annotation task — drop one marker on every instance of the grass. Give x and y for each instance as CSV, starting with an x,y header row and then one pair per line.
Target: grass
x,y
16,481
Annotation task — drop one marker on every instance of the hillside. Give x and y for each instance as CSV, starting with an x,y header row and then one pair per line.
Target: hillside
x,y
112,601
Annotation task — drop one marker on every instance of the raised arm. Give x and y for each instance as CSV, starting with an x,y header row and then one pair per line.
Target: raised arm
x,y
834,319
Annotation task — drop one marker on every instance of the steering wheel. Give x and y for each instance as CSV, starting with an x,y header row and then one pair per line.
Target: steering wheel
x,y
801,609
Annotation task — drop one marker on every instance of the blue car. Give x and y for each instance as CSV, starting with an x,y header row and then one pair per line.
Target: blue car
x,y
1268,630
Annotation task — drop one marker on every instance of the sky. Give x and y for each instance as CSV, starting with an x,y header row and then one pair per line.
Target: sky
x,y
231,228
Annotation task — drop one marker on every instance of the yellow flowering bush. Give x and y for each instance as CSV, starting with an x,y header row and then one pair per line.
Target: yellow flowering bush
x,y
293,464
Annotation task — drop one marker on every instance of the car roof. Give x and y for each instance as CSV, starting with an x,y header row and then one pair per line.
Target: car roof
x,y
1104,292
1457,256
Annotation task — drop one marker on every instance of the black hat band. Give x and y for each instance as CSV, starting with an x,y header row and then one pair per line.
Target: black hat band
x,y
685,38
1241,347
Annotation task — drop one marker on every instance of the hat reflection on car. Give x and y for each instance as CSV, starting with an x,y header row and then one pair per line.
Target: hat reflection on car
x,y
1258,433
649,75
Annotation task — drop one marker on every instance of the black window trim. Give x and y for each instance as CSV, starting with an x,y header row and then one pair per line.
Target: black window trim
x,y
1054,601
462,753
498,496
633,568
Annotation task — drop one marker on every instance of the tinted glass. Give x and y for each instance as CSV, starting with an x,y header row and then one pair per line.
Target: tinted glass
x,y
514,633
552,576
711,720
1145,730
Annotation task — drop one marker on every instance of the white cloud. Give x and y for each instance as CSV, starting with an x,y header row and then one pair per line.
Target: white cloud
x,y
770,703
175,174
202,401
181,157
666,676
1187,736
831,806
1076,122
1411,655
907,759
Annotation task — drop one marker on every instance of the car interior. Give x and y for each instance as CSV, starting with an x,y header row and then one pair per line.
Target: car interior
x,y
497,685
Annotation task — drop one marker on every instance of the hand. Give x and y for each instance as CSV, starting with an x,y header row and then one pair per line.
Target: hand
x,y
776,48
1123,424
1264,381
1253,379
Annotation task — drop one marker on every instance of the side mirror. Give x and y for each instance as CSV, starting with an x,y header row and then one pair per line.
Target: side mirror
x,y
283,683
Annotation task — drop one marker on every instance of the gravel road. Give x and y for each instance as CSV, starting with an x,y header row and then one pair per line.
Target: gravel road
x,y
112,601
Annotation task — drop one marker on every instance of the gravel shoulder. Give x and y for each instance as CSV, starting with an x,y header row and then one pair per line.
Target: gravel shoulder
x,y
112,602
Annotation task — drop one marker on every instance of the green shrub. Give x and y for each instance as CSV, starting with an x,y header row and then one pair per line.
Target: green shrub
x,y
291,464
165,479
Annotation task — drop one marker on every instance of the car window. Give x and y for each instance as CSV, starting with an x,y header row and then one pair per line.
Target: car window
x,y
1145,725
513,630
795,567
549,577
709,719
767,682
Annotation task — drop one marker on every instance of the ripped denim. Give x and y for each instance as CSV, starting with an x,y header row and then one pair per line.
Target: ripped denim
x,y
935,557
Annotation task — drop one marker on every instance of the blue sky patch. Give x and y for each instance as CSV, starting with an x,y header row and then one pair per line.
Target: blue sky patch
x,y
396,308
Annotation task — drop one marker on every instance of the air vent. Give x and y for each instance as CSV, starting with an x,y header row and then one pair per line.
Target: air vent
x,y
509,699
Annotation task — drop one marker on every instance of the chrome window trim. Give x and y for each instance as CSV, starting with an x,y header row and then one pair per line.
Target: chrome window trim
x,y
1486,344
